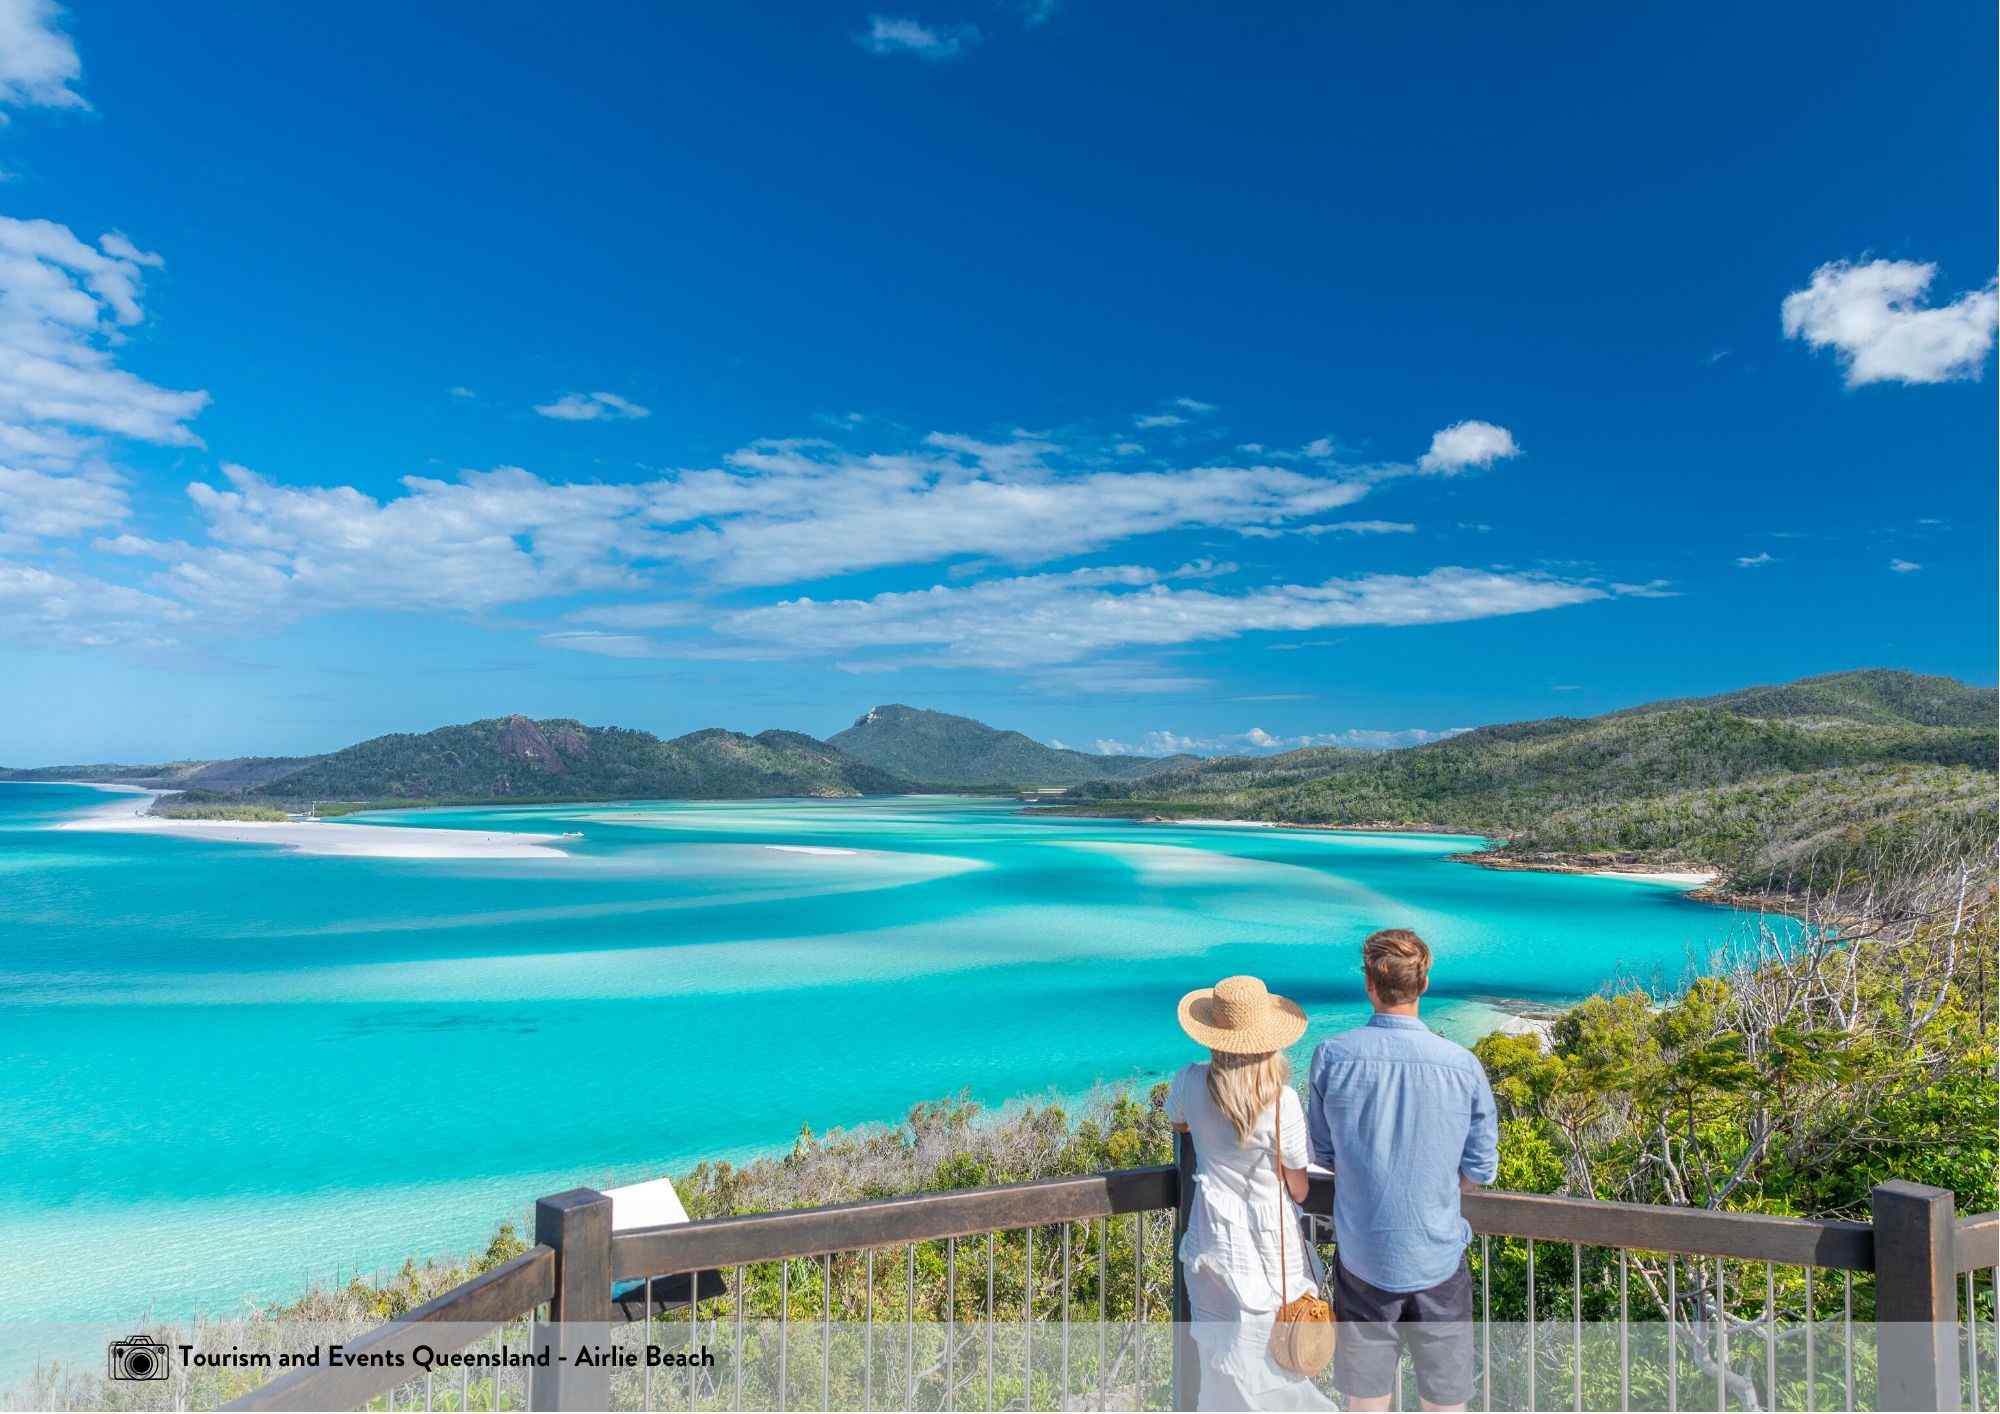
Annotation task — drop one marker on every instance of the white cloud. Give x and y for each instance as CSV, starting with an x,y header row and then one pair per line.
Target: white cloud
x,y
1038,12
604,645
41,606
1061,618
463,392
1158,419
1756,561
38,62
661,615
1651,589
1128,449
1337,527
1904,566
35,505
1873,317
1258,742
1319,449
63,307
889,34
592,407
1194,405
778,512
1467,444
775,512
785,512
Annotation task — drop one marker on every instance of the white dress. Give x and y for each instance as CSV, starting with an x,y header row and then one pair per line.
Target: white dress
x,y
1230,1253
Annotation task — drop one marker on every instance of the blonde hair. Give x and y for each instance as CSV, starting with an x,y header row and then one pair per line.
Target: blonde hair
x,y
1245,1087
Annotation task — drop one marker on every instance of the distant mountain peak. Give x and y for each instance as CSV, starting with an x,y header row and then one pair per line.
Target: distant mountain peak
x,y
939,748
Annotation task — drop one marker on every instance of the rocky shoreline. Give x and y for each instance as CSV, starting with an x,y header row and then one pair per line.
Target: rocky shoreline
x,y
1617,866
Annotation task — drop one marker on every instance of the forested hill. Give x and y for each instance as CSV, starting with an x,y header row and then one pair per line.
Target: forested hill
x,y
1745,782
940,749
516,758
1882,696
235,773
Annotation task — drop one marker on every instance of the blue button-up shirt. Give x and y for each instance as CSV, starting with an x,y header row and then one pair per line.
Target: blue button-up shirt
x,y
1399,1113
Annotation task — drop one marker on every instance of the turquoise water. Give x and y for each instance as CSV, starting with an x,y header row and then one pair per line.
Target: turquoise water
x,y
225,1068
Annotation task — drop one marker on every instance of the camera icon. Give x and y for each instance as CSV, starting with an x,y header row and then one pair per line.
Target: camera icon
x,y
136,1358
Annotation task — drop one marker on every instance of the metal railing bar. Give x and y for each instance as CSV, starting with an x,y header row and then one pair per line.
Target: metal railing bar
x,y
950,1322
784,1334
868,1365
1138,1310
910,1327
1624,1333
1721,1339
1103,1234
1028,1326
1531,1326
1486,1321
1847,1336
989,1319
1770,1335
1673,1340
1576,1323
1065,1316
826,1333
646,1338
738,1304
1812,1364
1972,1338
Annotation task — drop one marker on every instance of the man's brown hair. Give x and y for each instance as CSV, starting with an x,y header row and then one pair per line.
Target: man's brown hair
x,y
1398,964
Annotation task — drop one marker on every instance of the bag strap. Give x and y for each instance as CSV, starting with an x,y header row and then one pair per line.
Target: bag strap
x,y
1278,1171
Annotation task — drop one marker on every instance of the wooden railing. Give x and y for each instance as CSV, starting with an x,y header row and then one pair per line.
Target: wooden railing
x,y
1915,1248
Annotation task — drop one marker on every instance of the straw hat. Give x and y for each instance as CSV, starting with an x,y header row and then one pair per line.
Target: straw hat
x,y
1240,1016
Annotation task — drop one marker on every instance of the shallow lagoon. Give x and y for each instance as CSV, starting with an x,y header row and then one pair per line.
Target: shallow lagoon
x,y
226,1068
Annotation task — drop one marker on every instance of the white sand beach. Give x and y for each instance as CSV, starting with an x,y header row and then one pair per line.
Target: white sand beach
x,y
128,815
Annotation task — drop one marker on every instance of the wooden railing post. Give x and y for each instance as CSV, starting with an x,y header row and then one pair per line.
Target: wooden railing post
x,y
1187,1367
1916,1304
577,1224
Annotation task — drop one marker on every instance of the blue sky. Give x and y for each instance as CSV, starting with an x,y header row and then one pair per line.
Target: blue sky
x,y
1139,375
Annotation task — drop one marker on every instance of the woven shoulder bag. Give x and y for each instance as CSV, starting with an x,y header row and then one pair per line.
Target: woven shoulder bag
x,y
1302,1335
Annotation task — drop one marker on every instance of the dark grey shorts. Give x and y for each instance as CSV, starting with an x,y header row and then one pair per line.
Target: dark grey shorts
x,y
1376,1326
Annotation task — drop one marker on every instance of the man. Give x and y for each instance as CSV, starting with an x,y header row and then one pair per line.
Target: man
x,y
1405,1120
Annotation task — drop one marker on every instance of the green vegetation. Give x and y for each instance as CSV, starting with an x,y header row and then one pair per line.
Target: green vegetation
x,y
944,751
205,805
516,759
235,773
1751,783
1883,696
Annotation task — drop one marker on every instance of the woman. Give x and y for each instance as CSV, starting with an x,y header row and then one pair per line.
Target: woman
x,y
1231,1254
